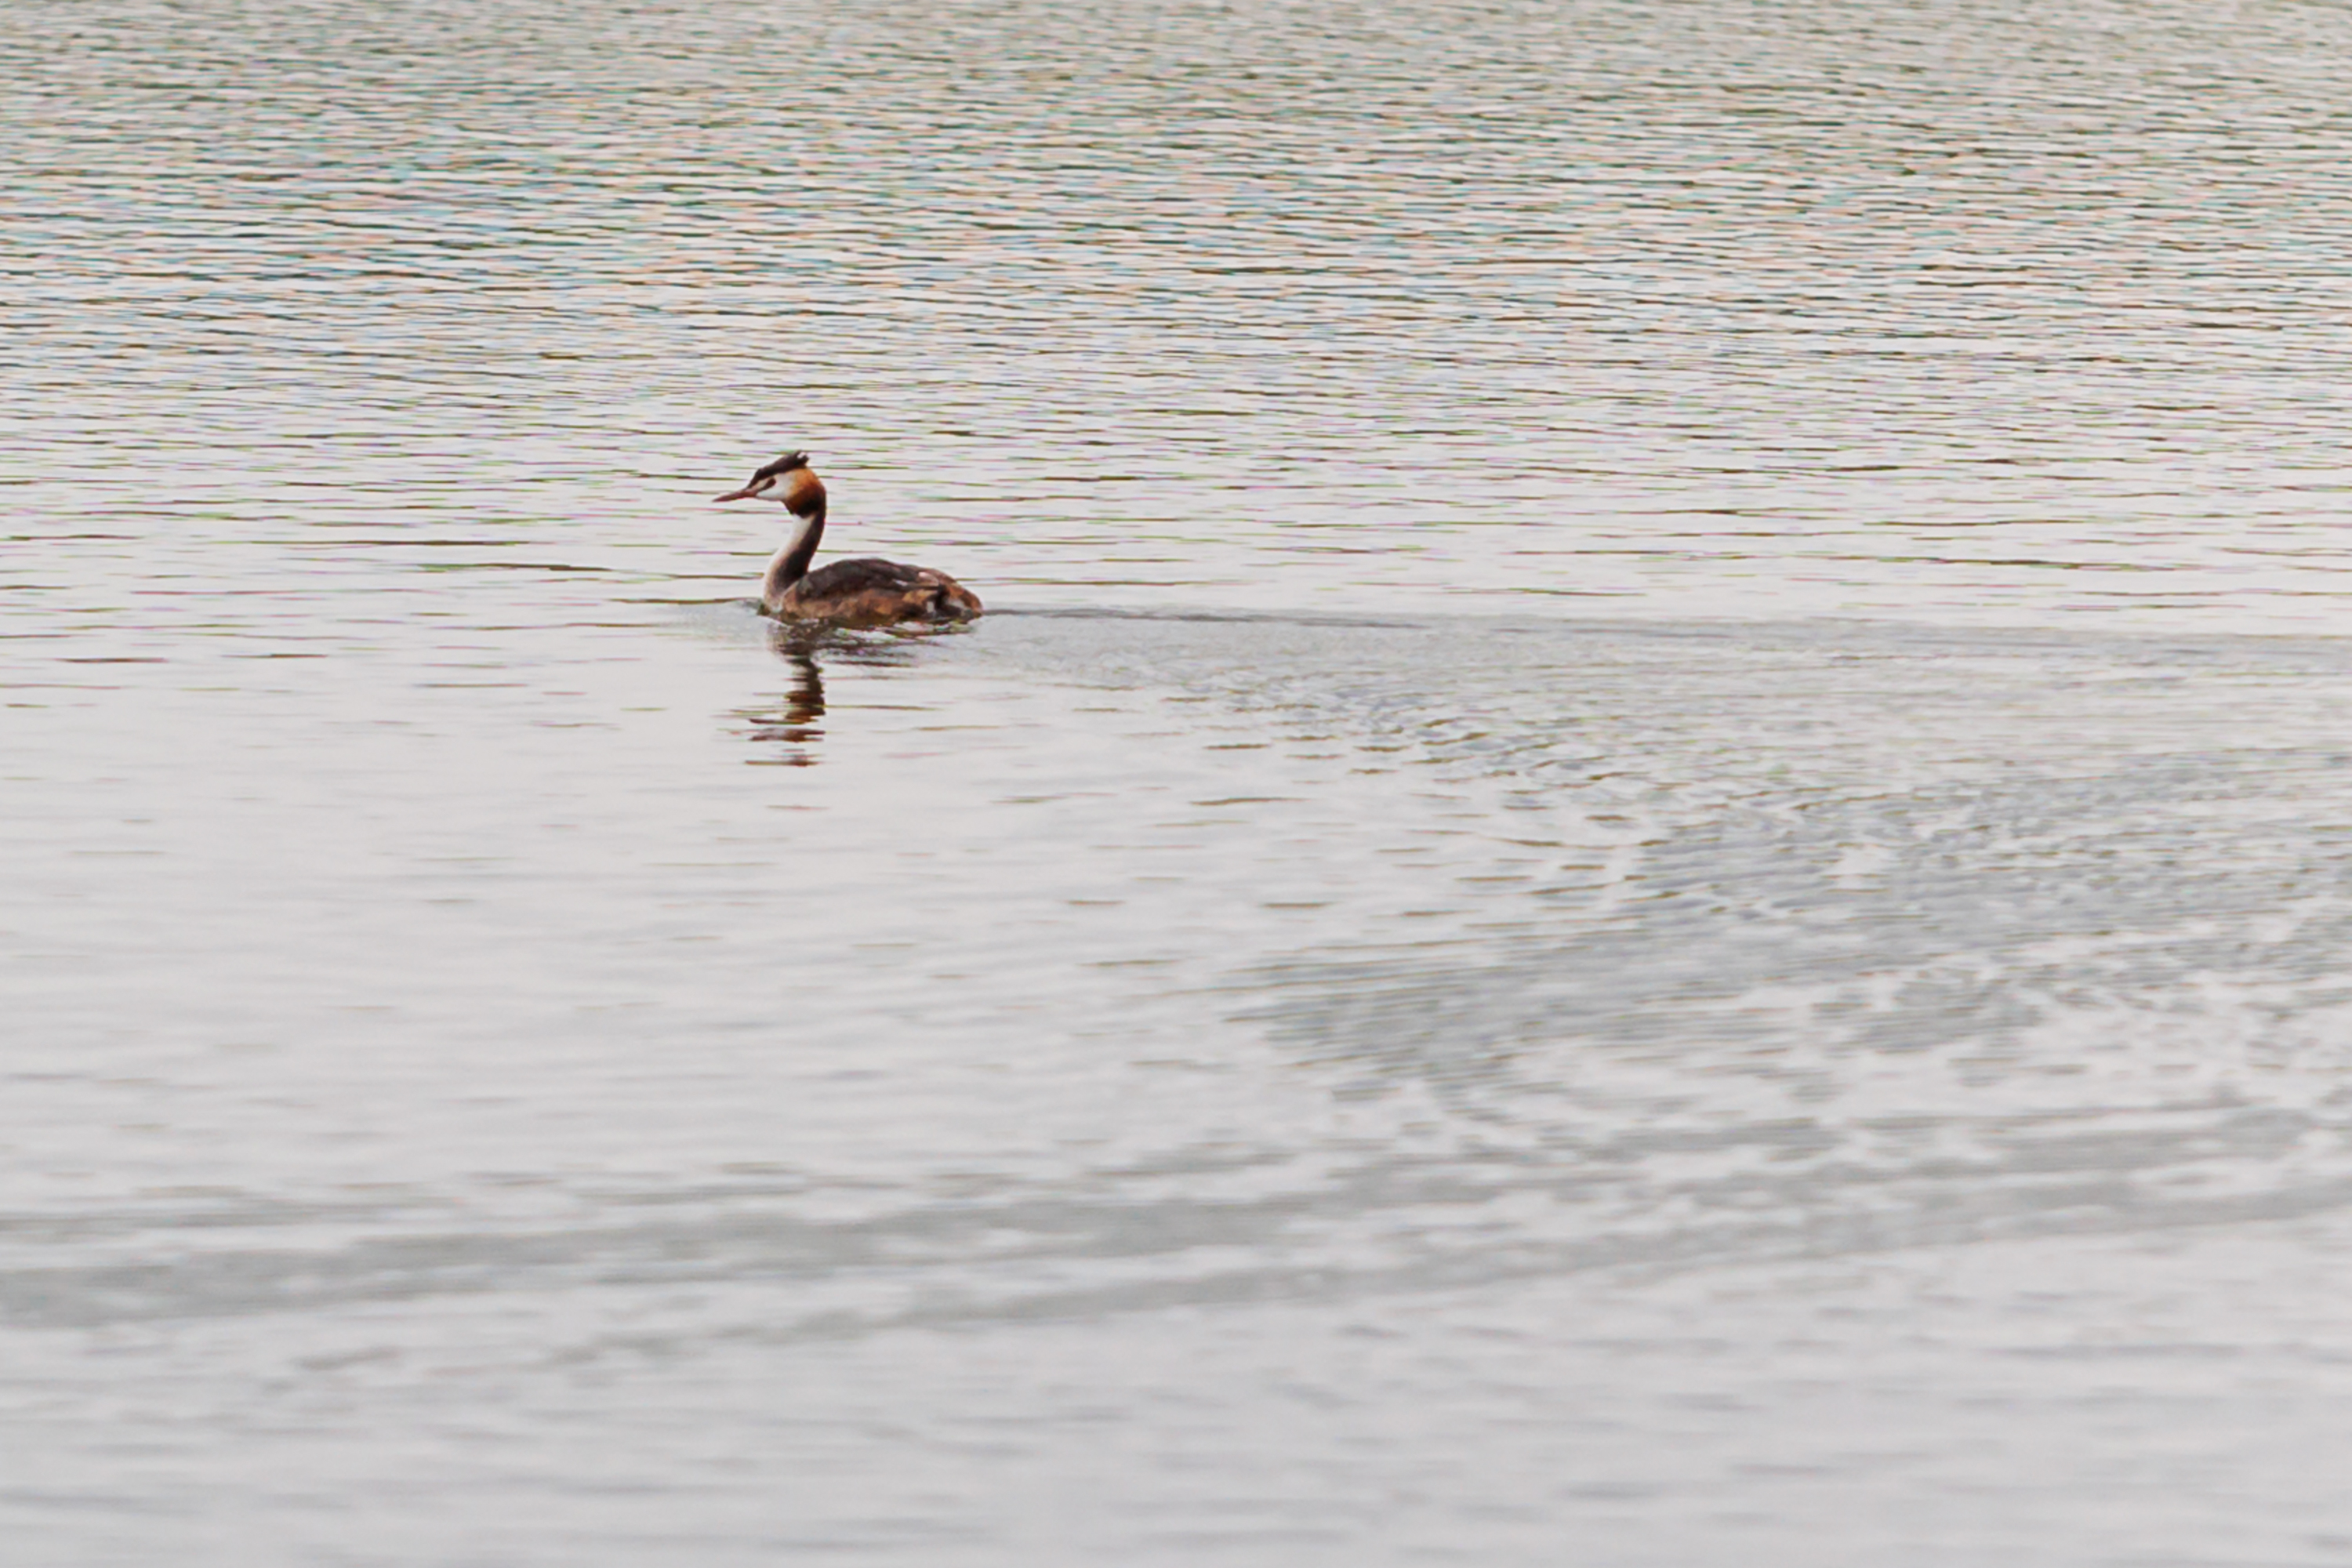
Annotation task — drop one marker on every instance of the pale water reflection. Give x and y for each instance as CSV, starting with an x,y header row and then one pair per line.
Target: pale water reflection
x,y
1648,859
787,729
793,726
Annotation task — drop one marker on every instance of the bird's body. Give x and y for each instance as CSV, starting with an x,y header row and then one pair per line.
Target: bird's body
x,y
867,592
864,592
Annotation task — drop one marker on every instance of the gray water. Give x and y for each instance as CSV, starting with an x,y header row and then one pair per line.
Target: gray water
x,y
1649,861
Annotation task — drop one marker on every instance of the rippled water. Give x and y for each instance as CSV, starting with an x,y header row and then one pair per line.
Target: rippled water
x,y
1649,861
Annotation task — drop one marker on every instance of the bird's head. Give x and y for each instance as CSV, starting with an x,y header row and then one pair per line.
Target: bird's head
x,y
789,481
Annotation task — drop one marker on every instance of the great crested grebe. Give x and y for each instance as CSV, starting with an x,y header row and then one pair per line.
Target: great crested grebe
x,y
860,593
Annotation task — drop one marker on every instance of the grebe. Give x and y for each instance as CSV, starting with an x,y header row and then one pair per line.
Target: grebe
x,y
860,593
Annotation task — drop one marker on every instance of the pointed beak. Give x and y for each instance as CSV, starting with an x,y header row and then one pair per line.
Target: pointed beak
x,y
746,493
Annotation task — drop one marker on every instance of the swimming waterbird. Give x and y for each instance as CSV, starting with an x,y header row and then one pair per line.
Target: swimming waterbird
x,y
863,592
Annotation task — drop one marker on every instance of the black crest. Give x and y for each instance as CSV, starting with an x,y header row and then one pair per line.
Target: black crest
x,y
784,465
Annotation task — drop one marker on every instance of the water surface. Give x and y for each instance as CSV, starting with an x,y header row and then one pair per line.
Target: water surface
x,y
1648,861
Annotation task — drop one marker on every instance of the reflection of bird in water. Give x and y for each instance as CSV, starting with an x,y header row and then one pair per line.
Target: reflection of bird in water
x,y
795,726
864,592
804,704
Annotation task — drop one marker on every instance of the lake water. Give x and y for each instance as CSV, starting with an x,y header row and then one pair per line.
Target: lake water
x,y
1649,861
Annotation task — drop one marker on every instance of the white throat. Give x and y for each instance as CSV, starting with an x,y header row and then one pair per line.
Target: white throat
x,y
772,585
802,528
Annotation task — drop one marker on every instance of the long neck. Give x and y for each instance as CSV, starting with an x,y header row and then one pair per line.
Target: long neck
x,y
790,563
